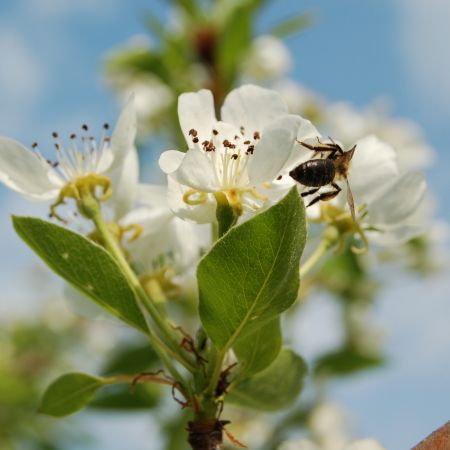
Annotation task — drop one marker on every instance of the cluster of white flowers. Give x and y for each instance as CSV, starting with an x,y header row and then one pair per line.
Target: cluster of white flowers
x,y
246,156
330,432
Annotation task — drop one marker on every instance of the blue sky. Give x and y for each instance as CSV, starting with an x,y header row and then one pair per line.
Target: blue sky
x,y
51,55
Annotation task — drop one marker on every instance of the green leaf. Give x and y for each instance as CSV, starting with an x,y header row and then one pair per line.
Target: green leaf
x,y
130,359
274,388
234,43
84,264
346,361
69,393
119,397
258,350
251,275
292,25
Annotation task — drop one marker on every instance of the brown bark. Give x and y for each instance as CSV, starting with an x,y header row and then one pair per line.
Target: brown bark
x,y
206,435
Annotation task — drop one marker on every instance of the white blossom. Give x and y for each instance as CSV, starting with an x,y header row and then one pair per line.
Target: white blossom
x,y
386,200
344,120
239,156
166,241
113,160
268,58
329,430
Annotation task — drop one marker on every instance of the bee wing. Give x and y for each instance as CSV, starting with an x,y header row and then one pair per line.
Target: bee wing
x,y
350,200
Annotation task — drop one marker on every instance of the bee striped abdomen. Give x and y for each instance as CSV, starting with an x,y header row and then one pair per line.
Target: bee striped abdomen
x,y
314,173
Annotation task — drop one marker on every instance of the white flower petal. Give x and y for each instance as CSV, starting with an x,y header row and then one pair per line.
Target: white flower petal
x,y
365,444
300,154
398,201
252,107
373,166
196,111
125,183
202,213
197,171
151,219
170,160
397,235
273,150
26,173
153,195
124,134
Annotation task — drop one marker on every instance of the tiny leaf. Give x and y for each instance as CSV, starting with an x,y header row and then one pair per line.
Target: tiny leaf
x,y
84,264
258,350
69,393
276,387
251,275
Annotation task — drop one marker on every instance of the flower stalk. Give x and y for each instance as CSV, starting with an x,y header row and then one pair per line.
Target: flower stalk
x,y
88,205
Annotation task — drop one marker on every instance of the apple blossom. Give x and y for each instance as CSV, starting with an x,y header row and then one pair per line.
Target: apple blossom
x,y
78,169
268,58
237,156
168,247
386,199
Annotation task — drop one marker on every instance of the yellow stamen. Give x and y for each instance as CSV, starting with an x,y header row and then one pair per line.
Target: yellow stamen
x,y
193,197
82,188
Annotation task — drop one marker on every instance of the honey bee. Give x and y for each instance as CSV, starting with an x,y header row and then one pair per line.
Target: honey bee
x,y
320,172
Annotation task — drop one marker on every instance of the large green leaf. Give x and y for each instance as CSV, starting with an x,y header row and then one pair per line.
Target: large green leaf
x,y
257,350
69,393
84,264
276,387
251,275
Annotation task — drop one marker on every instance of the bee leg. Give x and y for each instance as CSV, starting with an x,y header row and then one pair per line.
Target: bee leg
x,y
326,195
310,192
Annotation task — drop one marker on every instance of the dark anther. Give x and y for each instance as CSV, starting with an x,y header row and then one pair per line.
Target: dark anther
x,y
195,140
205,143
234,156
57,146
193,132
279,177
215,132
236,137
256,135
84,127
250,150
246,142
107,139
106,126
34,145
226,143
73,136
242,130
55,135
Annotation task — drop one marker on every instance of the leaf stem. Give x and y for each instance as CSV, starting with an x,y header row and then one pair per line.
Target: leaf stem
x,y
328,241
114,248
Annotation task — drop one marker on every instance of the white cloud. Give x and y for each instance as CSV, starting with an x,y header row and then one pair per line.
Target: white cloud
x,y
423,36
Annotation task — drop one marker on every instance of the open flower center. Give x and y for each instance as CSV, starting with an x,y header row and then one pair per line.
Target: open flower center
x,y
82,157
230,152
